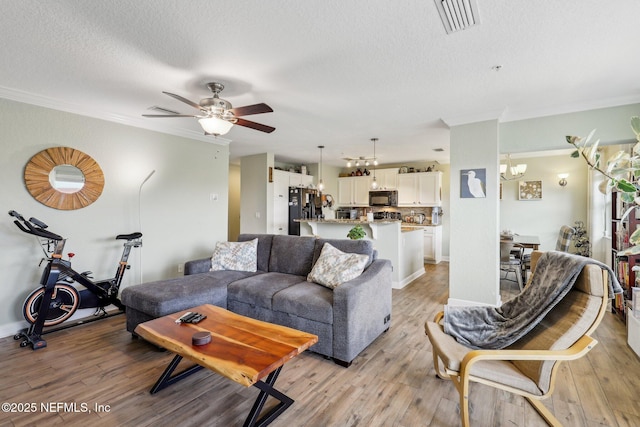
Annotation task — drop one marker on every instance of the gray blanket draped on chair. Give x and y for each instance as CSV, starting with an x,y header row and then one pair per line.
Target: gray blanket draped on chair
x,y
485,327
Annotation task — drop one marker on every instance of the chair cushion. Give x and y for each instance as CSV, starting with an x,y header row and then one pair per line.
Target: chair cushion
x,y
559,330
452,352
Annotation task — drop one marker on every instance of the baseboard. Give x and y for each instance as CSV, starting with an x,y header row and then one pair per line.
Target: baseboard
x,y
401,284
10,329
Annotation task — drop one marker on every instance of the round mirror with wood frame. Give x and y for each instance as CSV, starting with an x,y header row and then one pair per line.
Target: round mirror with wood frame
x,y
38,172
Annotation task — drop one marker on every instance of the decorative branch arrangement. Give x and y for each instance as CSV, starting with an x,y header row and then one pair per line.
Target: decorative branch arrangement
x,y
622,173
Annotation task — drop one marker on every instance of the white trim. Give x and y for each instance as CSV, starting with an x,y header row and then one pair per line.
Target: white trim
x,y
138,122
399,285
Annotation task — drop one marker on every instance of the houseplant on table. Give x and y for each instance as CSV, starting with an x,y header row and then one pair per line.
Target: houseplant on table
x,y
357,232
622,173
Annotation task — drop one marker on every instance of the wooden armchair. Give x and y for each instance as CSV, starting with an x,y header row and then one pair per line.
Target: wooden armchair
x,y
528,367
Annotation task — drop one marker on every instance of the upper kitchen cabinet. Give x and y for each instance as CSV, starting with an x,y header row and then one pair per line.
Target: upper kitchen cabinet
x,y
420,189
300,180
354,191
387,178
283,180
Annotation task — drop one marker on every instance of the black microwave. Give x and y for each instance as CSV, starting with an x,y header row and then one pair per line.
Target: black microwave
x,y
383,198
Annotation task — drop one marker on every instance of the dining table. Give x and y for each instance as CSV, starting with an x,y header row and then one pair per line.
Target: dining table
x,y
527,242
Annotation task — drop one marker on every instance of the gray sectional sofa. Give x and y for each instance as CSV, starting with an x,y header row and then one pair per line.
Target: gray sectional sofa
x,y
346,319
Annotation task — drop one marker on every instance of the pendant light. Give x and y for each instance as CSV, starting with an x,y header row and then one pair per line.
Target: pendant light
x,y
320,182
517,171
374,183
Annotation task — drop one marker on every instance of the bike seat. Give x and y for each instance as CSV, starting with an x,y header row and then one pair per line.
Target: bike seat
x,y
129,236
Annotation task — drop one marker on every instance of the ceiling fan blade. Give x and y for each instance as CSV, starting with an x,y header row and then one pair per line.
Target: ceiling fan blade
x,y
251,109
155,116
185,100
254,125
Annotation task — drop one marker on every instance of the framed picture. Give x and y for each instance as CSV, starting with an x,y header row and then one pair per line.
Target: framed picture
x,y
530,190
473,183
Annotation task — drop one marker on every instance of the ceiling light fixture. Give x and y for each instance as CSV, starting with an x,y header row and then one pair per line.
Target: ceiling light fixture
x,y
320,182
516,171
374,183
458,15
215,126
362,160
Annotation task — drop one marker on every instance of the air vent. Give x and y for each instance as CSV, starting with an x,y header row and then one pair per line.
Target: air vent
x,y
458,15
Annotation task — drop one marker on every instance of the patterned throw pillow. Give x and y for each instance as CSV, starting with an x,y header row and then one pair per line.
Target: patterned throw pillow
x,y
335,267
239,256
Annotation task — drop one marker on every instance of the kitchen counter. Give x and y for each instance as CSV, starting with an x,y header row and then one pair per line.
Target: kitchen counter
x,y
350,221
403,246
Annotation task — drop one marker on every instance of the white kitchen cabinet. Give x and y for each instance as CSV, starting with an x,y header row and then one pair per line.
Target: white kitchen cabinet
x,y
433,244
299,180
387,178
420,189
354,191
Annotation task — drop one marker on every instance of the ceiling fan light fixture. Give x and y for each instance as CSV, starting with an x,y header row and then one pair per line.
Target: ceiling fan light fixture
x,y
215,126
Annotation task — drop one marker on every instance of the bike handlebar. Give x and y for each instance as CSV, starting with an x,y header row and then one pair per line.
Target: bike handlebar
x,y
33,226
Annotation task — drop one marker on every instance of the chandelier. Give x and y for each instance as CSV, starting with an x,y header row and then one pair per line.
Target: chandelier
x,y
515,172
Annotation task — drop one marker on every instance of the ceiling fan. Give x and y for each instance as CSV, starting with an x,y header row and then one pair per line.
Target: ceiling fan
x,y
217,116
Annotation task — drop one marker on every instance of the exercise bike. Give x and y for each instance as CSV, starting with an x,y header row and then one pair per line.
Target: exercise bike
x,y
57,299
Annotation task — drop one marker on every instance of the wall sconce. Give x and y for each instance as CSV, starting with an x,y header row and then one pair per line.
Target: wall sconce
x,y
563,179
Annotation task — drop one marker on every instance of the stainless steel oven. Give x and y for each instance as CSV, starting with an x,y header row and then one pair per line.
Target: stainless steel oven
x,y
383,198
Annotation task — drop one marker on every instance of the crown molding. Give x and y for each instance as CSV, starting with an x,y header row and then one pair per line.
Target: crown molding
x,y
508,115
138,122
475,117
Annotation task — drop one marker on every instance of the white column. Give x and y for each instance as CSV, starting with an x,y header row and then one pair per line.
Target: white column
x,y
474,235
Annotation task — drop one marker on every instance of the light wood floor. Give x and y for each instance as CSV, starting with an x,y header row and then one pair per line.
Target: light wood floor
x,y
392,383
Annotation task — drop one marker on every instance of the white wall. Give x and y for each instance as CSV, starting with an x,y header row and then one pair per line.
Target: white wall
x,y
234,202
256,195
177,217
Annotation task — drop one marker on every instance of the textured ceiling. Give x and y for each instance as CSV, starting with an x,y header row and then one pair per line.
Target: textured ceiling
x,y
337,73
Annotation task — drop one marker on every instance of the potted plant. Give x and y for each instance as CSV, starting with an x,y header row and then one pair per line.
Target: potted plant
x,y
357,232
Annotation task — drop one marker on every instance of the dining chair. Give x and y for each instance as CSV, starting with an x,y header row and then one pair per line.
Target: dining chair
x,y
511,256
564,238
563,242
528,367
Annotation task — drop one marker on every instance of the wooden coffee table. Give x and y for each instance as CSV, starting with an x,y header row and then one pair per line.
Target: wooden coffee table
x,y
242,349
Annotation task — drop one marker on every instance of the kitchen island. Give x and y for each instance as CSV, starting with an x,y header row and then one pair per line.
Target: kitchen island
x,y
401,245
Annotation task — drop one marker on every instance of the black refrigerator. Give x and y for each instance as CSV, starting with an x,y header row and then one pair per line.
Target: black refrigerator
x,y
303,204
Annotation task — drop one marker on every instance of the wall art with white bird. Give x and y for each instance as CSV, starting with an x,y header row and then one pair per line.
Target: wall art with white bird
x,y
473,183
